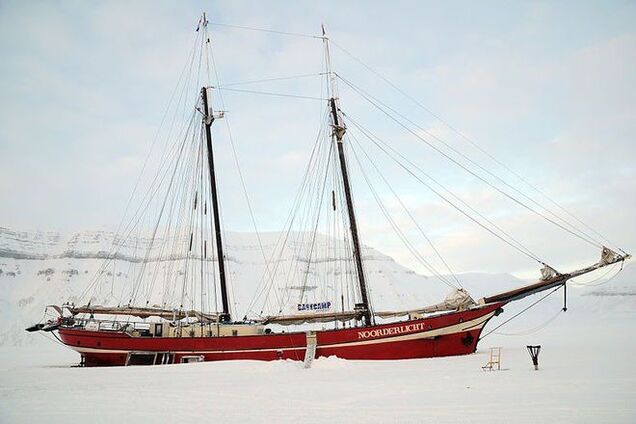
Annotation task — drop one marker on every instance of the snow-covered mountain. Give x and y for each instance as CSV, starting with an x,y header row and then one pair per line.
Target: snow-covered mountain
x,y
39,268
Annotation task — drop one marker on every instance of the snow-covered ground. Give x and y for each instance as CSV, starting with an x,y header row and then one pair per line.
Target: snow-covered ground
x,y
587,375
587,368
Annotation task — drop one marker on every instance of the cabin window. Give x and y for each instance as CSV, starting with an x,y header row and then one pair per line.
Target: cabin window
x,y
141,358
192,358
164,358
158,330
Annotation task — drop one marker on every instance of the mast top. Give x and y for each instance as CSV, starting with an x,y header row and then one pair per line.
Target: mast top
x,y
203,22
337,124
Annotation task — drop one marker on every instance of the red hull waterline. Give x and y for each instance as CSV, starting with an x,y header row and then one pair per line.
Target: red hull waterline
x,y
454,333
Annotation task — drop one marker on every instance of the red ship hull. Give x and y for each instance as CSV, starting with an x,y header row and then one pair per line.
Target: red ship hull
x,y
455,333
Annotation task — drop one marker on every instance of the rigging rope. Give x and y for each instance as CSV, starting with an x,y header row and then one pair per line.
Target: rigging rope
x,y
511,241
131,225
609,280
238,167
474,144
288,224
270,93
315,230
364,93
272,31
468,170
452,128
534,329
408,212
156,227
395,227
521,312
226,84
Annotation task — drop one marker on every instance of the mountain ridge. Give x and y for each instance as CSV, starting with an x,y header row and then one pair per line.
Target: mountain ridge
x,y
39,268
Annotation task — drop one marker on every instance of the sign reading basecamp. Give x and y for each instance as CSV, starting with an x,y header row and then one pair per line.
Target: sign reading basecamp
x,y
320,306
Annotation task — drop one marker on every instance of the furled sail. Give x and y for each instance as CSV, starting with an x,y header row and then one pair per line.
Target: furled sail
x,y
457,300
312,317
173,314
554,279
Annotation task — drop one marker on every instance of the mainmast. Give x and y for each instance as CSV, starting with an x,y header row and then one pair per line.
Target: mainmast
x,y
337,135
208,118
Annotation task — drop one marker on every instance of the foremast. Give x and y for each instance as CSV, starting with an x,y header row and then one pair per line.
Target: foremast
x,y
337,134
208,118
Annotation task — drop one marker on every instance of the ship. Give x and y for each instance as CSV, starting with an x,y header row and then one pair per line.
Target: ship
x,y
145,333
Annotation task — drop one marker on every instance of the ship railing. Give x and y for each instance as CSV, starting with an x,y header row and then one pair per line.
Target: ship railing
x,y
110,325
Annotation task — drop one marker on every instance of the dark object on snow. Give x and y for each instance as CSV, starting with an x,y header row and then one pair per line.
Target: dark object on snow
x,y
534,354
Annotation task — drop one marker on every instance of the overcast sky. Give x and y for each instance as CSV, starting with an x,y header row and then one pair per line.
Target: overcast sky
x,y
549,88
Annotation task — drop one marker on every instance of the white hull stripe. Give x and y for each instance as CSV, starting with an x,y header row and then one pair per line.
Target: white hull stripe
x,y
444,331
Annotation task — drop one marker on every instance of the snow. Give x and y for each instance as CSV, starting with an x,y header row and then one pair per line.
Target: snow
x,y
587,372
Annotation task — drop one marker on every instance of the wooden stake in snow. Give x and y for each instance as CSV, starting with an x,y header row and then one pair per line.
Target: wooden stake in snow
x,y
534,354
310,352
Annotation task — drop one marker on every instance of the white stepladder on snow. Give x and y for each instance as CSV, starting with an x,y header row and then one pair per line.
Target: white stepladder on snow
x,y
494,363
